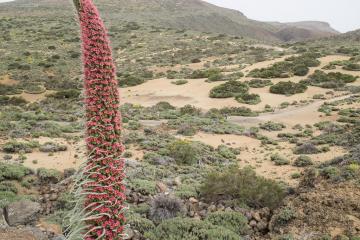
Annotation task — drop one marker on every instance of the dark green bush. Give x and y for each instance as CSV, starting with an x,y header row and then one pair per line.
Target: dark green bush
x,y
229,89
272,126
330,80
16,101
16,147
233,221
303,161
288,88
66,94
139,223
306,148
259,83
279,160
186,228
49,175
13,171
241,186
9,90
251,99
183,152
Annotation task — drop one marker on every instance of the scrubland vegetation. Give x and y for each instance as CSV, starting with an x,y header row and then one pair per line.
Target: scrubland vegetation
x,y
246,167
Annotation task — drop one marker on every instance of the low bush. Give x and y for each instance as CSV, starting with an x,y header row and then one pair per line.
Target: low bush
x,y
279,160
259,83
288,88
272,126
306,148
143,186
180,82
16,101
229,89
13,171
165,207
352,67
16,147
251,99
330,80
303,161
187,228
241,186
233,221
66,94
49,175
52,147
139,223
9,90
183,152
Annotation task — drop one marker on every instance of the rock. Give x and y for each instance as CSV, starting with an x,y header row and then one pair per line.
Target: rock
x,y
256,216
28,233
128,234
261,226
53,197
60,237
193,200
248,215
69,172
203,213
177,181
228,209
252,223
161,187
220,207
3,222
212,208
23,212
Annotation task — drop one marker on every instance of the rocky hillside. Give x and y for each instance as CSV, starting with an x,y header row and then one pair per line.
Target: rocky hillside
x,y
192,15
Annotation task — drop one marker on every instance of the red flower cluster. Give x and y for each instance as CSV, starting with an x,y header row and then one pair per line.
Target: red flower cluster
x,y
104,169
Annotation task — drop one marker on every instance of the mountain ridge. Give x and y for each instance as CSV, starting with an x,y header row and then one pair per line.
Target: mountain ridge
x,y
195,15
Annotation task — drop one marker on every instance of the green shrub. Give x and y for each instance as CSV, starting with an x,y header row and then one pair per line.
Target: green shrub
x,y
233,221
13,171
288,88
272,126
352,67
306,148
186,228
16,147
330,80
130,80
66,94
16,101
303,161
251,99
8,187
139,223
143,186
180,82
49,175
229,89
279,160
259,83
186,191
241,186
9,90
183,152
285,216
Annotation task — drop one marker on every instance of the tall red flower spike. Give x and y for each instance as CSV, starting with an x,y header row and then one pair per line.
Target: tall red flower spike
x,y
102,187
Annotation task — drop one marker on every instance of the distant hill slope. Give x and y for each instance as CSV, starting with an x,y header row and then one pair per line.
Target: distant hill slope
x,y
195,15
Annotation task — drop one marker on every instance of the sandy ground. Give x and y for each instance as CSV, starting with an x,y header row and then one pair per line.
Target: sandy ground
x,y
7,80
196,91
255,155
58,160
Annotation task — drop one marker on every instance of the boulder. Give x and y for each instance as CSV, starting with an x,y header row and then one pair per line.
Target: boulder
x,y
23,212
28,233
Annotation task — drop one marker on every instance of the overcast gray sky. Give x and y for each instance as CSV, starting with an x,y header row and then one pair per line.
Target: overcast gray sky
x,y
343,15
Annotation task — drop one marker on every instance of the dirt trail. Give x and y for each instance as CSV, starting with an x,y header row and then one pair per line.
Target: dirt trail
x,y
291,116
